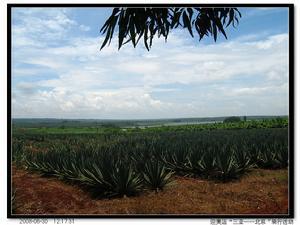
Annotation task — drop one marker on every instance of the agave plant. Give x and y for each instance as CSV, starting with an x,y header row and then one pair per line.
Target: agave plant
x,y
268,160
106,176
203,162
156,176
114,164
125,181
47,164
226,165
18,153
177,159
243,159
254,154
282,155
13,200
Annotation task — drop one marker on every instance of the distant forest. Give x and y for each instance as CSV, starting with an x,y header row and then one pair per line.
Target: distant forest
x,y
47,122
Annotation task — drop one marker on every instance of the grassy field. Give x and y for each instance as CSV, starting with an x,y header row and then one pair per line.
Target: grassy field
x,y
110,163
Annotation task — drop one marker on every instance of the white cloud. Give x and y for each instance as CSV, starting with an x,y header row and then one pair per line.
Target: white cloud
x,y
123,103
39,27
175,79
84,28
257,91
271,42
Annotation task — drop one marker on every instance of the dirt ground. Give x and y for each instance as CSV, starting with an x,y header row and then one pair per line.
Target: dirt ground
x,y
259,192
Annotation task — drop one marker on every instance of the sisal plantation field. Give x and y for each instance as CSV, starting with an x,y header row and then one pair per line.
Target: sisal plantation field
x,y
219,168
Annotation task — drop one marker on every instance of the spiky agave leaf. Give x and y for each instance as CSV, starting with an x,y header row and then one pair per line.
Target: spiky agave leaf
x,y
202,161
177,159
18,153
156,176
282,155
268,160
13,200
227,167
125,181
243,159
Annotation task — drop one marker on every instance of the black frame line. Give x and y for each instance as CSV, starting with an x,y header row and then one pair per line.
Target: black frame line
x,y
291,128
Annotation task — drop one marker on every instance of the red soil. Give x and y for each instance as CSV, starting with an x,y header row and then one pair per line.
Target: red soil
x,y
260,192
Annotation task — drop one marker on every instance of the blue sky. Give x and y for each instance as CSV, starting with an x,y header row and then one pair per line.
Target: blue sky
x,y
59,72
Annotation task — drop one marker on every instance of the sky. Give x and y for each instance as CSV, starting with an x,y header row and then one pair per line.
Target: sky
x,y
58,70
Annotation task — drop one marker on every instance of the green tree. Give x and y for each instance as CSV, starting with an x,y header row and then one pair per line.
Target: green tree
x,y
232,119
135,24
